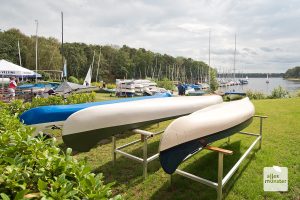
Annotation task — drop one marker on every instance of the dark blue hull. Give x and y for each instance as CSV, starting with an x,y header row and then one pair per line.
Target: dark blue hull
x,y
171,158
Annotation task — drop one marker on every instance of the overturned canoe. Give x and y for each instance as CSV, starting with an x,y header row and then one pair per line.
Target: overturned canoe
x,y
55,115
189,134
85,128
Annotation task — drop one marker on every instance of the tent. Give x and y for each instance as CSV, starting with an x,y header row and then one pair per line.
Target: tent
x,y
8,69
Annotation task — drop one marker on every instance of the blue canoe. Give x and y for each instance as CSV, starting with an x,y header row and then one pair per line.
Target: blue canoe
x,y
55,115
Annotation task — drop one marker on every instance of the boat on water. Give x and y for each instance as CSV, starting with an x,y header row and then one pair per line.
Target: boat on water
x,y
267,81
191,133
85,128
54,116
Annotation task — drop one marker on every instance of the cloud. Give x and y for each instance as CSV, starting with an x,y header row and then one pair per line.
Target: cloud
x,y
268,32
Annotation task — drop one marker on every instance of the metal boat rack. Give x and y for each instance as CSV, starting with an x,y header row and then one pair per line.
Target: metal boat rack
x,y
145,136
222,181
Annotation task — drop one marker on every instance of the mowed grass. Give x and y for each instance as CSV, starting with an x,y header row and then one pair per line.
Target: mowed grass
x,y
280,146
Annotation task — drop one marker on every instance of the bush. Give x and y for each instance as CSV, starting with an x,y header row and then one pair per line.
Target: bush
x,y
278,93
298,93
110,86
17,107
38,166
166,83
81,98
73,79
255,95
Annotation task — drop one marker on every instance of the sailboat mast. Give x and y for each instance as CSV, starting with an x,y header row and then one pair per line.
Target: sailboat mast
x,y
20,59
209,58
98,65
62,40
36,49
234,57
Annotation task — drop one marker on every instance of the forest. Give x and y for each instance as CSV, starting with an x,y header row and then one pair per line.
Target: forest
x,y
293,73
108,61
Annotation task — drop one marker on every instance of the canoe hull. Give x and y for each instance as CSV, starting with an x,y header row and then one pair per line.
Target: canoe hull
x,y
188,134
55,115
89,139
85,128
171,158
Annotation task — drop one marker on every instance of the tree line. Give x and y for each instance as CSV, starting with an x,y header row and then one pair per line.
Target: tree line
x,y
292,73
108,61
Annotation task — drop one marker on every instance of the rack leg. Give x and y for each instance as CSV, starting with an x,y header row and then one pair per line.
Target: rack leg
x,y
145,158
220,176
260,131
113,149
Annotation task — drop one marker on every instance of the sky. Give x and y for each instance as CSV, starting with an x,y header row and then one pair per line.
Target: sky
x,y
267,31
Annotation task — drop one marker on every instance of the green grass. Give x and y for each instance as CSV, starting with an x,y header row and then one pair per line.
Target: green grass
x,y
281,139
105,96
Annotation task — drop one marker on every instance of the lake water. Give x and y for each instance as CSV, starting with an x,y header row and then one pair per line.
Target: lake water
x,y
259,84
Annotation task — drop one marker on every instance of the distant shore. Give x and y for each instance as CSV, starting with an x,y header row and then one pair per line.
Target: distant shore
x,y
293,79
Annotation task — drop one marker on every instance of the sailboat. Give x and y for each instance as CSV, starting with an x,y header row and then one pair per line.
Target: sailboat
x,y
88,77
267,81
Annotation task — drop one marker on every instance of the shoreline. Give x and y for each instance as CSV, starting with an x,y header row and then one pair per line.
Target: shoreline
x,y
292,79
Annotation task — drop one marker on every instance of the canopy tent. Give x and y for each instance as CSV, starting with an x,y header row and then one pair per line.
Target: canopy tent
x,y
8,69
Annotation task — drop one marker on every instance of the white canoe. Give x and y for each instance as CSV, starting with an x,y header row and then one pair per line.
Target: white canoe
x,y
85,128
188,134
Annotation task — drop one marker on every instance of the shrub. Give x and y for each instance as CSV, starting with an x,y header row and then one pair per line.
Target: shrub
x,y
73,79
298,93
166,83
80,98
38,166
278,93
17,107
110,86
255,95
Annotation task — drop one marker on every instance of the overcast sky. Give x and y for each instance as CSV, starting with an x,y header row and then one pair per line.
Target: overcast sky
x,y
268,31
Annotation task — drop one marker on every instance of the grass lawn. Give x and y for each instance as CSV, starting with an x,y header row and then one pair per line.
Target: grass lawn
x,y
281,139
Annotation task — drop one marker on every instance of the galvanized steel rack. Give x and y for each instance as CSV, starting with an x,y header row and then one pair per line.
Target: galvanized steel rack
x,y
222,181
145,136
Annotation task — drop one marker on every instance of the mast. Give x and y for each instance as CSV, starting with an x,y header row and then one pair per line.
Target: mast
x,y
234,58
209,59
93,64
98,65
20,60
62,40
36,49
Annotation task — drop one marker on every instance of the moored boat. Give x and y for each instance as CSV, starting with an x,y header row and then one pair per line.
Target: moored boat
x,y
188,134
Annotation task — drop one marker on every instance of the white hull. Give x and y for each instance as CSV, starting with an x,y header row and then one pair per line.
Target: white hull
x,y
188,134
207,121
94,121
